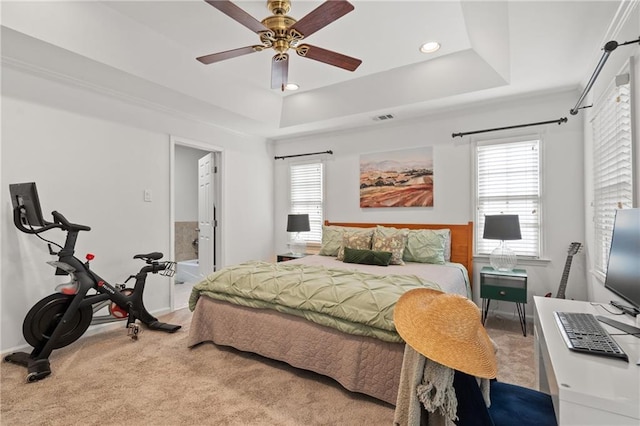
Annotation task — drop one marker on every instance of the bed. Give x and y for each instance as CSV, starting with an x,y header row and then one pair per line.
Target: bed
x,y
287,311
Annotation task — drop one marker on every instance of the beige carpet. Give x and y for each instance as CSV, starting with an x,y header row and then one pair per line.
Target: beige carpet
x,y
109,379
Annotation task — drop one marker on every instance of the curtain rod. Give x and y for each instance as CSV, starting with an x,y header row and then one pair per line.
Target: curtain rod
x,y
559,121
608,48
302,155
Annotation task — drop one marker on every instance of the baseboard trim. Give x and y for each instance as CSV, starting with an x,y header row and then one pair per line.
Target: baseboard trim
x,y
91,331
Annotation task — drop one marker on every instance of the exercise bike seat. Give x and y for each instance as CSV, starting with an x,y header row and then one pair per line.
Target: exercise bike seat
x,y
156,255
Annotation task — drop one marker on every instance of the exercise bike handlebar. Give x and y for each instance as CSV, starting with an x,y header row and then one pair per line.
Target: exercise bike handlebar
x,y
59,221
155,267
66,225
17,221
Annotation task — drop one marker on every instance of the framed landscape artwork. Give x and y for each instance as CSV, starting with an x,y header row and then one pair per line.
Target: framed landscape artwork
x,y
397,178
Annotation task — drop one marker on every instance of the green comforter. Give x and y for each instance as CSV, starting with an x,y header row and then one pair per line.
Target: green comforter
x,y
352,302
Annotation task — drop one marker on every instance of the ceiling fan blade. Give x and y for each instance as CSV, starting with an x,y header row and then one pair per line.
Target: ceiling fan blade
x,y
279,71
221,56
322,16
328,57
236,13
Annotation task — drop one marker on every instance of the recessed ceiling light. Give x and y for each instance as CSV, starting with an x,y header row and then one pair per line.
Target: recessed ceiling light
x,y
430,47
291,86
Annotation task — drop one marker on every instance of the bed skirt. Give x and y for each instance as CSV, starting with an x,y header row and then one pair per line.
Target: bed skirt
x,y
359,363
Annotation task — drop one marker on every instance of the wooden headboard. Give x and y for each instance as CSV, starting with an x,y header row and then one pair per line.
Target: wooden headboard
x,y
461,238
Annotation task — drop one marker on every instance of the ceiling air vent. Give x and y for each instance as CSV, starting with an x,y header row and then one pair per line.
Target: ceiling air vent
x,y
383,117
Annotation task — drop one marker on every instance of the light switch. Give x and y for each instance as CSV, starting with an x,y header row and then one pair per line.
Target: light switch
x,y
147,195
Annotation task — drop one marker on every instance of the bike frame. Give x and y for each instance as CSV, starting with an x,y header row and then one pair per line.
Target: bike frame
x,y
48,318
88,280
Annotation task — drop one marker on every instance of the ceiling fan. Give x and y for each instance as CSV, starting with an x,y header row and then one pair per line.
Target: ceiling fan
x,y
281,33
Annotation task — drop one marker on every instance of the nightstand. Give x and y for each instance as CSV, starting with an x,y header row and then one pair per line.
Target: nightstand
x,y
508,286
290,256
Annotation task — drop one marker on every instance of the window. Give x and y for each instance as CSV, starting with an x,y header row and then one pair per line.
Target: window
x,y
612,164
307,196
508,182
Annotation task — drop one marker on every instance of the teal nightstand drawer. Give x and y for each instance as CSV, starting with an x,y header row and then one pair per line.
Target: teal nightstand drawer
x,y
508,293
503,280
508,286
515,278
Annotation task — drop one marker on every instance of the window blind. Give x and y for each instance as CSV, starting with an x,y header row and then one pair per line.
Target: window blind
x,y
307,196
508,182
613,172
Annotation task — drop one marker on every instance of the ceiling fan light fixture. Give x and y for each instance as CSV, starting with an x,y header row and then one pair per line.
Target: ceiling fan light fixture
x,y
291,86
430,47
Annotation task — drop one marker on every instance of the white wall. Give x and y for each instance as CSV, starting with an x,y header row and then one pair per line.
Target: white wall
x,y
613,66
92,156
453,177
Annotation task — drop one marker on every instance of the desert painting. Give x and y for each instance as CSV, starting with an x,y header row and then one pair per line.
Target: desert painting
x,y
397,178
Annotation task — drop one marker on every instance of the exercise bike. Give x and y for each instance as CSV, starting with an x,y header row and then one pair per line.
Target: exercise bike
x,y
62,317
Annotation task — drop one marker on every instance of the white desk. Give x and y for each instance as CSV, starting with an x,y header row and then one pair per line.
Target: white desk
x,y
586,389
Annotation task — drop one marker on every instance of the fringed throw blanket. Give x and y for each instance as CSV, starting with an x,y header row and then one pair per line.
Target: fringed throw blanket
x,y
429,383
436,392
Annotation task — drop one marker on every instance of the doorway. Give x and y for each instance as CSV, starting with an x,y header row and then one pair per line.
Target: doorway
x,y
196,205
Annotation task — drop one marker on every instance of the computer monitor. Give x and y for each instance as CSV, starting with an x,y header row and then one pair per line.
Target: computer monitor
x,y
25,195
623,271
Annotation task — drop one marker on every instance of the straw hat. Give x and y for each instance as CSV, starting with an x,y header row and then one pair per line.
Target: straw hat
x,y
446,328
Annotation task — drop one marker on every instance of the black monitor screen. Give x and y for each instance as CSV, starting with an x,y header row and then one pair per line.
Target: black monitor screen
x,y
623,272
25,195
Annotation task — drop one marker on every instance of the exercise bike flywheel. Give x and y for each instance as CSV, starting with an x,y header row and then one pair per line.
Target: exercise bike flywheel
x,y
45,315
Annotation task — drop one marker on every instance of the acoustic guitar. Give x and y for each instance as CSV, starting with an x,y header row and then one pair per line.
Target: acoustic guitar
x,y
574,248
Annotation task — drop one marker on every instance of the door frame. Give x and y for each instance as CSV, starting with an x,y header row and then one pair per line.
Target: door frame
x,y
219,158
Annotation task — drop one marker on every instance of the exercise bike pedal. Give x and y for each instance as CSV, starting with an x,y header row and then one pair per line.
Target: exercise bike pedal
x,y
133,330
163,326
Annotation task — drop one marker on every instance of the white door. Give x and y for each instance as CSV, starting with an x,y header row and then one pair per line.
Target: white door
x,y
206,215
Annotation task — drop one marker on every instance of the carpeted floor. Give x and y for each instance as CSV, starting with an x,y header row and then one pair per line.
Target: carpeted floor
x,y
109,379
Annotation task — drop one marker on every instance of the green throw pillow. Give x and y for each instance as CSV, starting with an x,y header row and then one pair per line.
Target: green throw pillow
x,y
426,246
331,240
367,257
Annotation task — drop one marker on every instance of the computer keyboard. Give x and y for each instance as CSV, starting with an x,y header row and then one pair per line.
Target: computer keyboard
x,y
583,333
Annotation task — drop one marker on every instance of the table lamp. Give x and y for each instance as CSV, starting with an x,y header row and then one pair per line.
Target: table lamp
x,y
502,227
298,223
